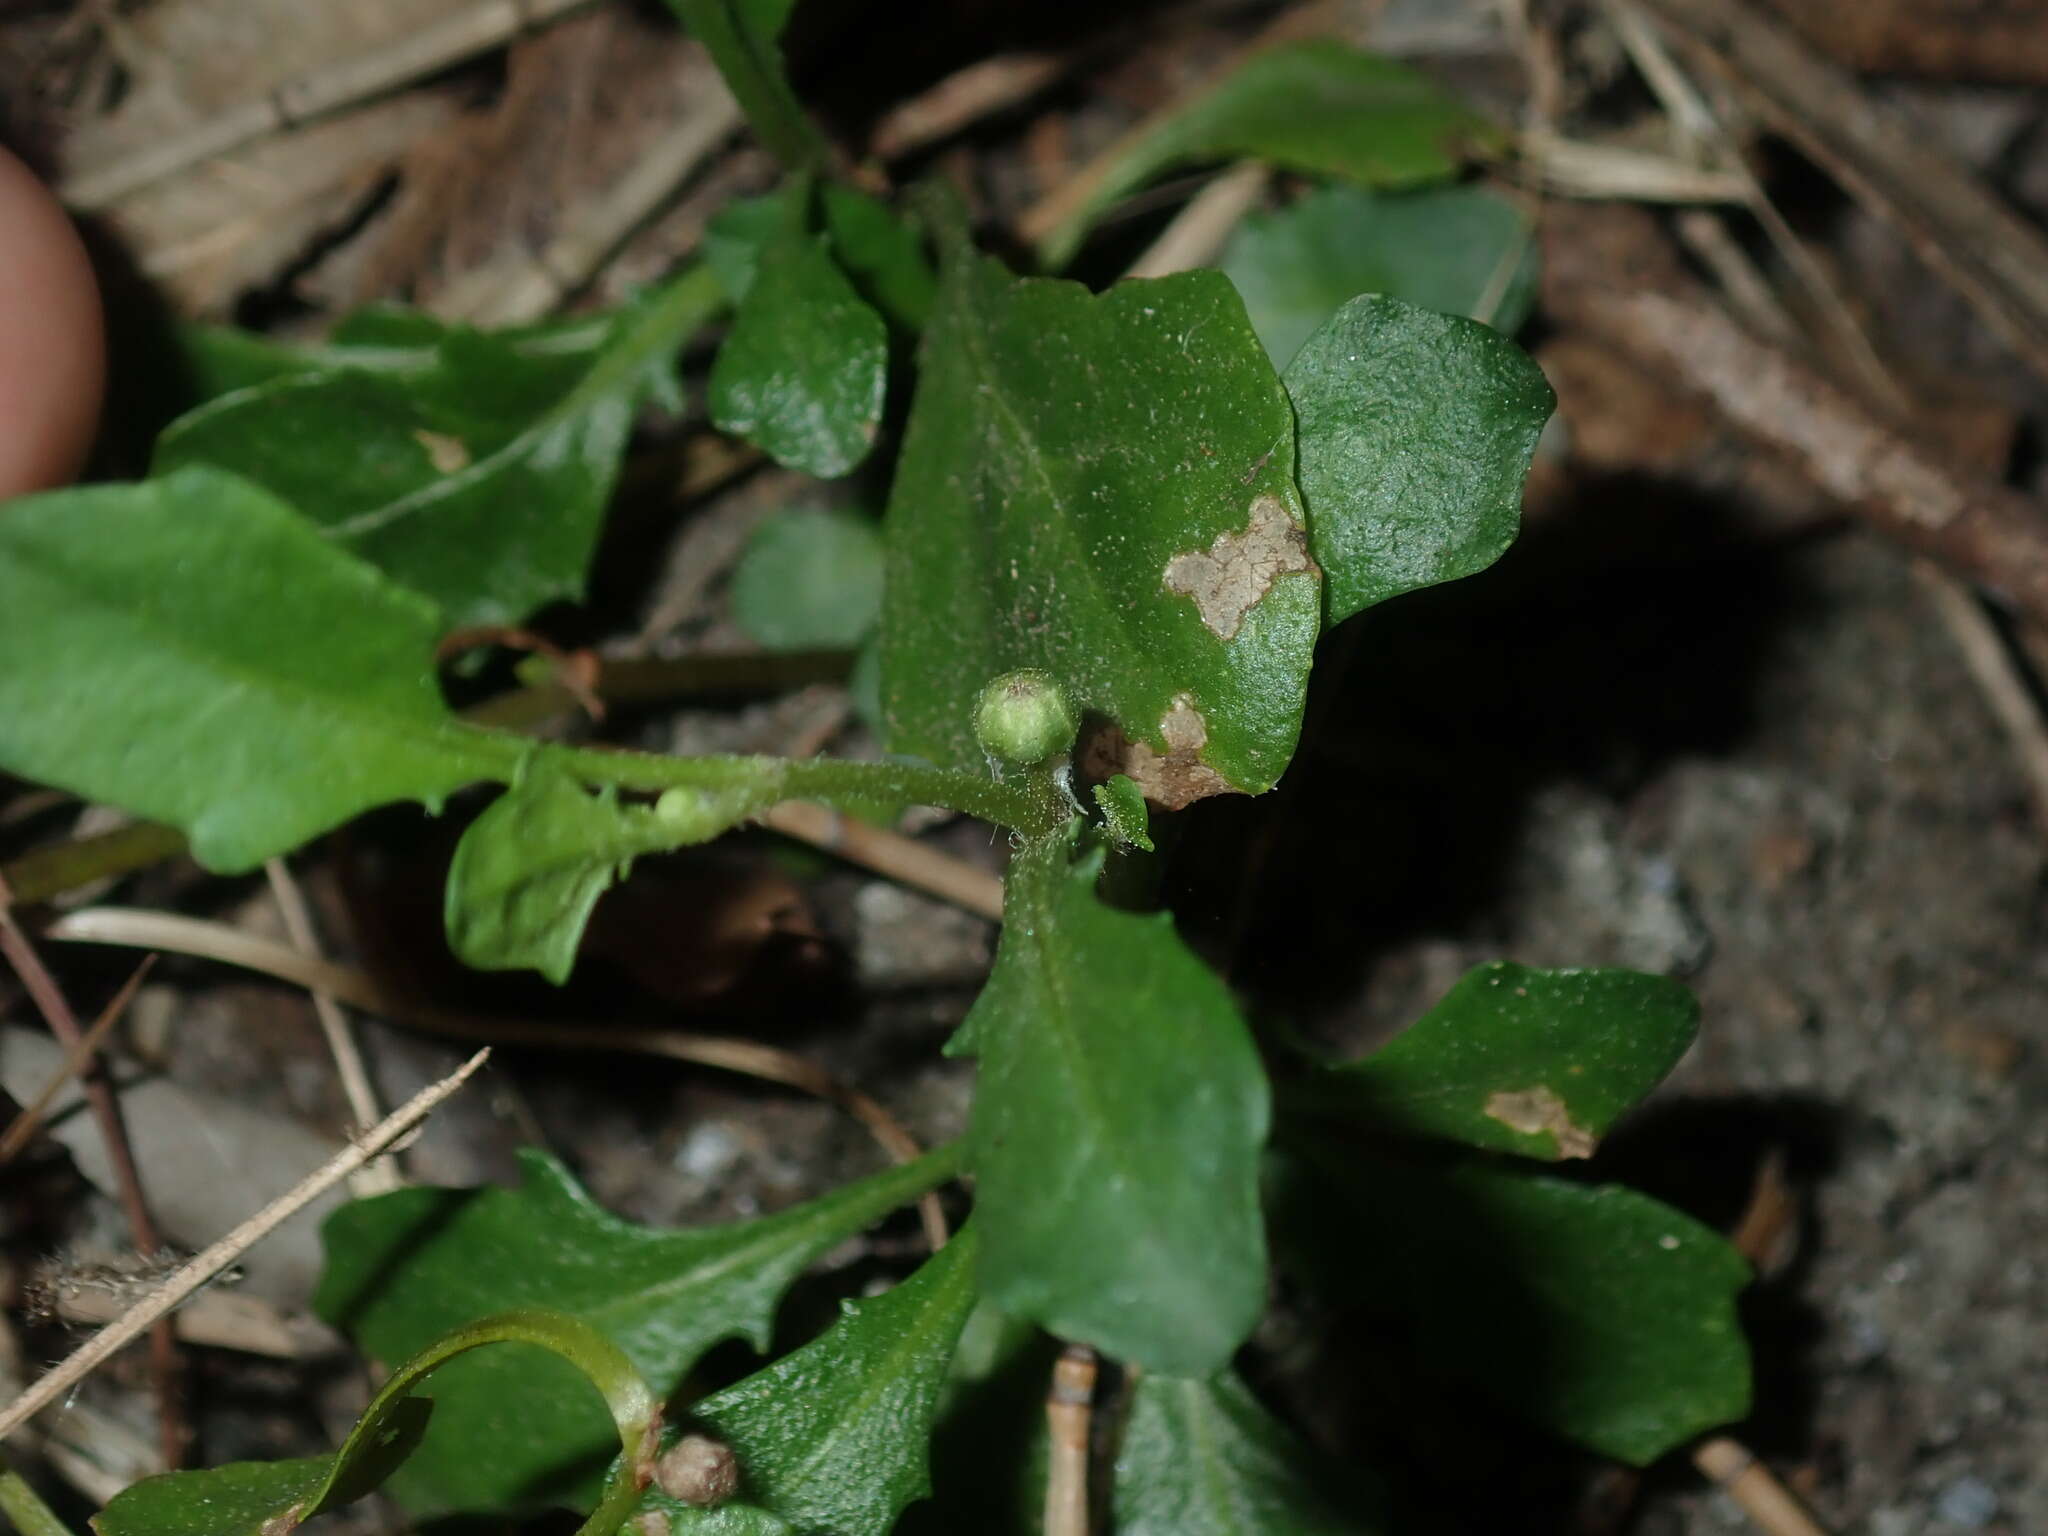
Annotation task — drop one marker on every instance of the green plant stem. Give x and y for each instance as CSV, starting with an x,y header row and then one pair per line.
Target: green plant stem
x,y
1032,806
25,1508
635,1410
748,60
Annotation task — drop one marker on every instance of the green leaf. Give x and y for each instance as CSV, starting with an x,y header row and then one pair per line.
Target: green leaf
x,y
480,480
220,359
1117,1127
741,36
275,1498
1313,106
810,580
1516,1059
802,373
530,868
1101,488
1122,805
1460,250
1204,1458
510,1433
1416,431
880,252
833,1437
991,1445
191,651
1593,1311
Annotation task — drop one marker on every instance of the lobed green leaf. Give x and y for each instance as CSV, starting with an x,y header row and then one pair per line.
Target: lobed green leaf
x,y
1102,489
1592,1311
833,1437
1316,106
1117,1128
1516,1059
1203,1457
1459,250
481,479
1416,430
190,650
510,1432
529,870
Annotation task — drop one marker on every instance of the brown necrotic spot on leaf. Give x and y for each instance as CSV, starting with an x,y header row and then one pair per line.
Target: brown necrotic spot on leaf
x,y
1171,779
698,1470
447,454
1228,579
1537,1111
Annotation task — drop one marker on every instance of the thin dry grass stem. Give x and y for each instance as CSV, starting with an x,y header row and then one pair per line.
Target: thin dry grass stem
x,y
190,1277
1999,675
1198,231
76,1059
1069,1422
902,859
1770,1505
1994,259
1585,169
381,1177
416,54
177,934
962,99
106,1110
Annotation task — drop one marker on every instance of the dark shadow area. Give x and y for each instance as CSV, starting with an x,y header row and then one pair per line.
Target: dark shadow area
x,y
1418,1335
1629,628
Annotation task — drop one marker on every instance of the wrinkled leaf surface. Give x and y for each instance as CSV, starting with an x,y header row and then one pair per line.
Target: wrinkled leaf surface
x,y
1416,432
1101,488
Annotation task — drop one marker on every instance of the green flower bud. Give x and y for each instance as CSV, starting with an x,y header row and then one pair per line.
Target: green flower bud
x,y
1023,717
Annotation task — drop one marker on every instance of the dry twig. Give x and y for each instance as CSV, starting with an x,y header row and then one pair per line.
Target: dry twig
x,y
1069,1414
1769,1503
1198,231
1992,257
417,54
57,1013
130,928
378,1178
77,1059
145,1314
1610,272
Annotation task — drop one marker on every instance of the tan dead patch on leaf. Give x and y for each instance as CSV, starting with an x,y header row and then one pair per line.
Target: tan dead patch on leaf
x,y
1172,779
447,454
699,1471
1533,1111
1228,579
284,1521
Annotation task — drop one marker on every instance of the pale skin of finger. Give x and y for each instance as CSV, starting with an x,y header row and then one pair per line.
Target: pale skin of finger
x,y
52,338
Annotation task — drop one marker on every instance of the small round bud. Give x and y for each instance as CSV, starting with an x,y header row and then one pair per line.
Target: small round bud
x,y
699,1471
1023,717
